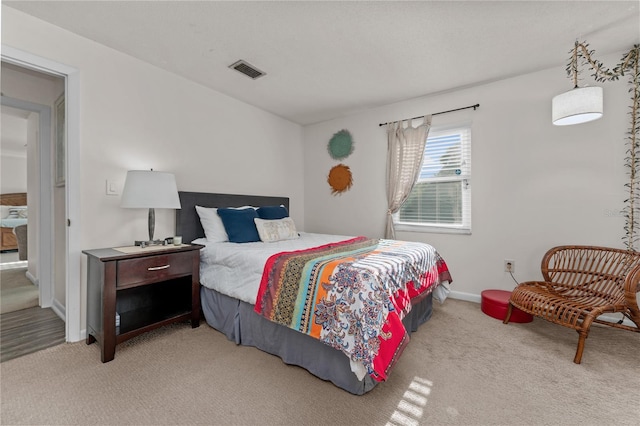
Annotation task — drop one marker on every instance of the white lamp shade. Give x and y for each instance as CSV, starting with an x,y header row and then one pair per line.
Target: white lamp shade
x,y
577,106
151,190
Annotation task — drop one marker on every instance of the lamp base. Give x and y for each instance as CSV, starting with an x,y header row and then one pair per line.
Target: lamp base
x,y
144,244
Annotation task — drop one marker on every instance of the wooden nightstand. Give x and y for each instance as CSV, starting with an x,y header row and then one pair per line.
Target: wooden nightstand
x,y
148,288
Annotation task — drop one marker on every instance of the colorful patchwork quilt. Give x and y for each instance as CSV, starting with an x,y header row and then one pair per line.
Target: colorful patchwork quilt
x,y
352,295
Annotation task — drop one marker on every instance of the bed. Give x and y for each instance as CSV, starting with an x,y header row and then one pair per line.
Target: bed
x,y
14,213
245,322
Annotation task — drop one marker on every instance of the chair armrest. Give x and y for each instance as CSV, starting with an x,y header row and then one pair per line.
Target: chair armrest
x,y
632,293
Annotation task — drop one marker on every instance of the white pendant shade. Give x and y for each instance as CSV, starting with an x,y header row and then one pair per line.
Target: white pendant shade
x,y
577,106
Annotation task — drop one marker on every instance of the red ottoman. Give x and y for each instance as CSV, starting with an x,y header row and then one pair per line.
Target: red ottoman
x,y
495,303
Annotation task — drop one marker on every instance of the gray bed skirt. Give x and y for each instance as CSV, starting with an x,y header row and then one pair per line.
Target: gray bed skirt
x,y
238,321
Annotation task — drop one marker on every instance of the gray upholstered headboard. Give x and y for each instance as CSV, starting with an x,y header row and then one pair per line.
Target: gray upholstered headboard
x,y
187,219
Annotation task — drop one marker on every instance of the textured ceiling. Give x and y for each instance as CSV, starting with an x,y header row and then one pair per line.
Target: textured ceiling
x,y
329,59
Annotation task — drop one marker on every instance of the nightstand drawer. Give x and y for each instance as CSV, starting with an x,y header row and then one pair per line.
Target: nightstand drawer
x,y
160,267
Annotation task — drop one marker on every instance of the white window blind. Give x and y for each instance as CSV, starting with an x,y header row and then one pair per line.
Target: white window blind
x,y
441,198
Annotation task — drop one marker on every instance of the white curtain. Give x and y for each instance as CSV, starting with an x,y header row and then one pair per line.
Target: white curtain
x,y
405,150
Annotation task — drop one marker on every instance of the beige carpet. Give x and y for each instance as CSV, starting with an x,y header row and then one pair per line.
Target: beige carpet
x,y
462,367
16,291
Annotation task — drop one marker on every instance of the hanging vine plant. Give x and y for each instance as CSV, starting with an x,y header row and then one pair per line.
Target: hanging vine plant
x,y
630,63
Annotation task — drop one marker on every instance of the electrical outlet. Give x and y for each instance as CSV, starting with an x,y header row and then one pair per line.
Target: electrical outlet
x,y
509,265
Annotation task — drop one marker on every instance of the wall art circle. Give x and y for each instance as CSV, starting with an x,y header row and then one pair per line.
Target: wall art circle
x,y
340,179
340,145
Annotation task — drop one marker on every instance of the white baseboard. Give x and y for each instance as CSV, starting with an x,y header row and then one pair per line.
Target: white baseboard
x,y
31,278
470,297
59,309
609,318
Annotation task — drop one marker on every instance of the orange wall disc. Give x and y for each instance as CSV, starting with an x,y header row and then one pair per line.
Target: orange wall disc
x,y
340,179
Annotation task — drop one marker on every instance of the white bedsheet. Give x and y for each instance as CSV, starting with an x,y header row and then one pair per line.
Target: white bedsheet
x,y
236,269
12,223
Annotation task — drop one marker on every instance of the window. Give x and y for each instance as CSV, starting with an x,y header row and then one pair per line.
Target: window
x,y
440,201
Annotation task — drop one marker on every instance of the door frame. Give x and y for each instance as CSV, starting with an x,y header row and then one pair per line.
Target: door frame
x,y
73,270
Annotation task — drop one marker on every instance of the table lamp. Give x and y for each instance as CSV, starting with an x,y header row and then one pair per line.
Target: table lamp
x,y
148,189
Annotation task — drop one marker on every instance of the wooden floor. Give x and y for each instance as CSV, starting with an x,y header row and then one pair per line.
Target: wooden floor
x,y
29,330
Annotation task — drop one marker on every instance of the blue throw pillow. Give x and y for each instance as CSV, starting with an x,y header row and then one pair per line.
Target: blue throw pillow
x,y
239,224
272,212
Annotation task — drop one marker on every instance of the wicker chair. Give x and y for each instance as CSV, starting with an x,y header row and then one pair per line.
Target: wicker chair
x,y
580,284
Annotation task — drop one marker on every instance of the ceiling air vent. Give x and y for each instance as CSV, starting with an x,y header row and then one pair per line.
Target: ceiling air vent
x,y
247,69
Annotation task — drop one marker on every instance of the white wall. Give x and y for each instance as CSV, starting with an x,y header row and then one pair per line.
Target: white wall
x,y
14,173
534,185
13,154
136,116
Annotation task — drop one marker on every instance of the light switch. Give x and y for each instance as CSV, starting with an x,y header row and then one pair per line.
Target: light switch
x,y
112,187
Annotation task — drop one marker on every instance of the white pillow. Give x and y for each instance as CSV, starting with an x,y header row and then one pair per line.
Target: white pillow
x,y
212,224
4,212
272,230
17,212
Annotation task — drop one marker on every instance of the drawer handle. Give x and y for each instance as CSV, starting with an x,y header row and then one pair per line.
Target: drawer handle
x,y
157,268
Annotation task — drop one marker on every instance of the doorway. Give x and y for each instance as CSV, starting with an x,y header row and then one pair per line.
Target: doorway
x,y
33,94
18,288
66,300
33,280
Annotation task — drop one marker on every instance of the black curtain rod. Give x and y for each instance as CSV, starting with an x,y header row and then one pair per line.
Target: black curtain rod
x,y
435,113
